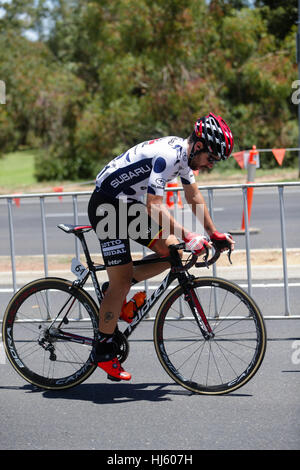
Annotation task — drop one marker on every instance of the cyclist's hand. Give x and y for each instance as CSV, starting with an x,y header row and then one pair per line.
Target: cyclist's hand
x,y
196,243
223,241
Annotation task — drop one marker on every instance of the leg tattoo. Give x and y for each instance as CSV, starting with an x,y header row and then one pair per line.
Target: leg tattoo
x,y
108,316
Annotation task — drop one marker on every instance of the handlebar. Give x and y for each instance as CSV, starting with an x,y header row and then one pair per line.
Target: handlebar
x,y
206,260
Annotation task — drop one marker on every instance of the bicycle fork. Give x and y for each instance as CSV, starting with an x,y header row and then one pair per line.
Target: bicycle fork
x,y
198,312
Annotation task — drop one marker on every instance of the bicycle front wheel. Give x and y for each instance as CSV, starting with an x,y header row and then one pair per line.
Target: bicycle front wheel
x,y
48,333
229,356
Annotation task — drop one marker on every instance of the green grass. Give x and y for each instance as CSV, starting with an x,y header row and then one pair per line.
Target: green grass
x,y
17,169
17,175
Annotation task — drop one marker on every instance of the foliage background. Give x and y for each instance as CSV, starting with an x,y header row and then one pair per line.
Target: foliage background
x,y
96,77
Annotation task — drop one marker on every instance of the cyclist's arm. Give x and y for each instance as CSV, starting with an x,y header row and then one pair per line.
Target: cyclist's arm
x,y
195,199
160,213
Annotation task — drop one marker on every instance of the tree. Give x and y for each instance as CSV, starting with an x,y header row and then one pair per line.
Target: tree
x,y
281,16
104,75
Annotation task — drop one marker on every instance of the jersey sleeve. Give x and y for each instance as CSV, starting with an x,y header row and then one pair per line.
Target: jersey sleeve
x,y
162,171
187,176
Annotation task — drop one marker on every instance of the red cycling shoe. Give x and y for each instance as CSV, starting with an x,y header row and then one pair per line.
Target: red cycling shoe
x,y
114,370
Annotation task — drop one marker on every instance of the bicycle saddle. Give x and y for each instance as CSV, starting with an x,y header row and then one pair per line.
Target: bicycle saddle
x,y
68,228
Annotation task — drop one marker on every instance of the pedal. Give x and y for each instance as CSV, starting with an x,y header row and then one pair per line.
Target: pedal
x,y
113,379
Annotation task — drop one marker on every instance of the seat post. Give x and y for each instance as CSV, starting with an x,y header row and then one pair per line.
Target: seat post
x,y
87,255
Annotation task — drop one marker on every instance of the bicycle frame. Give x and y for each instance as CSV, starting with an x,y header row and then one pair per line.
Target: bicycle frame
x,y
142,311
183,278
177,272
176,347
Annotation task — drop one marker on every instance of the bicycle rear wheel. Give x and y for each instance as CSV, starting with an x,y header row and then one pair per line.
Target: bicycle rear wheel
x,y
235,349
33,333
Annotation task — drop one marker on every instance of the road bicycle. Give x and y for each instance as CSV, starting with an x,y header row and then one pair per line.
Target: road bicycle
x,y
209,334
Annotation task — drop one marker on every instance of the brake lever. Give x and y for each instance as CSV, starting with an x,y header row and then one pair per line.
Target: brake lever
x,y
229,255
205,258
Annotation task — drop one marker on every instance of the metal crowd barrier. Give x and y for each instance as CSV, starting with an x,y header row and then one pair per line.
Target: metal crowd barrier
x,y
211,189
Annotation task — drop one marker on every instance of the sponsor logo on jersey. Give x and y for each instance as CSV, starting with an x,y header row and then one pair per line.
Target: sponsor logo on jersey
x,y
161,182
129,175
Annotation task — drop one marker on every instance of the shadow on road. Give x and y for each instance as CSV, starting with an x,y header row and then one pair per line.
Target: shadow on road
x,y
104,393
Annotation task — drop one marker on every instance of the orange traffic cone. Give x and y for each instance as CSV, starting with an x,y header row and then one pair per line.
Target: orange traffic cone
x,y
251,167
170,195
58,189
17,201
251,177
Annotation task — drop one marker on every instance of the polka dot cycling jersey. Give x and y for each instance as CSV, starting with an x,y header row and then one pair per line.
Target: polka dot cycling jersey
x,y
146,168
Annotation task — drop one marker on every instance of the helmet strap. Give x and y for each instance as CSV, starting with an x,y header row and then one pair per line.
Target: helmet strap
x,y
193,153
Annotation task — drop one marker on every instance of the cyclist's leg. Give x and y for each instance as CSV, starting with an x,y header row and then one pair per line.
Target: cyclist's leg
x,y
106,348
160,248
104,218
119,285
118,262
152,236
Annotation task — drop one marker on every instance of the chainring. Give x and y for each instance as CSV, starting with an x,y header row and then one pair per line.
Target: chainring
x,y
123,346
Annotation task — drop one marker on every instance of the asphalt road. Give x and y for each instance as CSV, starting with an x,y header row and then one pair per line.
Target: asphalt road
x,y
228,210
151,412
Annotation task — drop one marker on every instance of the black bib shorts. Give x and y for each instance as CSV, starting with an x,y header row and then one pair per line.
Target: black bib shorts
x,y
116,222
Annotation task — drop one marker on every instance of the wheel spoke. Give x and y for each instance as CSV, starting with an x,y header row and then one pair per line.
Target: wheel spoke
x,y
225,360
37,352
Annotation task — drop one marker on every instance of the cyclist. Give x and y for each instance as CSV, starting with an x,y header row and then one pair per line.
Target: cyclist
x,y
142,171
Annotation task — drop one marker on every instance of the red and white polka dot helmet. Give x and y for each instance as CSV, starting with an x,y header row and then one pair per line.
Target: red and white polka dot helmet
x,y
215,134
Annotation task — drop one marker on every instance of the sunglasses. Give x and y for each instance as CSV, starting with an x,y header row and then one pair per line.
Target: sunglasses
x,y
212,158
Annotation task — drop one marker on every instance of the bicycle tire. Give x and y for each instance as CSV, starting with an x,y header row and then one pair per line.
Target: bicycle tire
x,y
52,364
220,364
